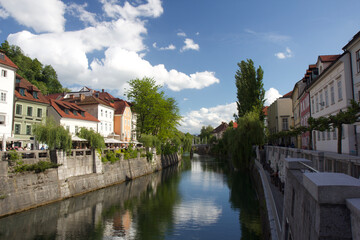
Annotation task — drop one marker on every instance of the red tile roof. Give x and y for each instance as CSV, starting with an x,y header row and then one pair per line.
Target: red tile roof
x,y
235,125
311,66
222,127
28,91
265,110
6,61
120,106
60,107
287,95
88,100
329,58
55,96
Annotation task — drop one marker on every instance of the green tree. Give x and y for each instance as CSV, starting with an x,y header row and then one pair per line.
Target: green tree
x,y
157,114
96,141
54,135
250,88
205,133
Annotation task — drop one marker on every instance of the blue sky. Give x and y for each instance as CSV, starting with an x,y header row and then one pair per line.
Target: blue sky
x,y
190,47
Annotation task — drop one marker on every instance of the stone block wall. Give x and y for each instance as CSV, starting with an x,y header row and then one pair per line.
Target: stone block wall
x,y
76,175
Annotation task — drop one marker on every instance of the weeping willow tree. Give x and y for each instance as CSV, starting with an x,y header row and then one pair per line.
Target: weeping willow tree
x,y
96,141
239,142
54,135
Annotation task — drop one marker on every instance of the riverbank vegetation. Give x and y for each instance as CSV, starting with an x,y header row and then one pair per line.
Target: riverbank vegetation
x,y
237,143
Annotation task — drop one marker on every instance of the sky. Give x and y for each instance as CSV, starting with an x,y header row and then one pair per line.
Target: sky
x,y
190,47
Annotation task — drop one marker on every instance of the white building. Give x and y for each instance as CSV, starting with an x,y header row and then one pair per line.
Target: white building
x,y
71,116
353,50
101,110
7,87
330,93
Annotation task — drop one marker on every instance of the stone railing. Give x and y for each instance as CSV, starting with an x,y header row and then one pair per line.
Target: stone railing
x,y
320,161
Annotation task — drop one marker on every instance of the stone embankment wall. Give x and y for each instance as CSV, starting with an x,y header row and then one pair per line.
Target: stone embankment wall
x,y
79,173
321,198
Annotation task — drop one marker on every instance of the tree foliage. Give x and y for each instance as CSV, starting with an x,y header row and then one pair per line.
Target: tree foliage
x,y
250,88
96,141
158,114
54,135
43,77
205,133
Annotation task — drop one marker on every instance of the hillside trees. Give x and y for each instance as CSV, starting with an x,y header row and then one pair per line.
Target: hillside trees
x,y
43,77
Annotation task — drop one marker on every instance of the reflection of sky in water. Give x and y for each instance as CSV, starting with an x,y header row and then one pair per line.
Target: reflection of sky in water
x,y
199,212
207,179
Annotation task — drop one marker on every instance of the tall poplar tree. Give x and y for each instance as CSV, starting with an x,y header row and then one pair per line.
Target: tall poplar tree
x,y
250,88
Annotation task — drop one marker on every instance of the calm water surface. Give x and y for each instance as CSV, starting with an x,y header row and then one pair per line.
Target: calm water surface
x,y
199,199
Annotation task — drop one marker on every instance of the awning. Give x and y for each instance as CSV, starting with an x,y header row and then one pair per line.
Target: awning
x,y
112,140
77,139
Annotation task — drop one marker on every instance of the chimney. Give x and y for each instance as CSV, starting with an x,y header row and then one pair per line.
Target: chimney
x,y
102,90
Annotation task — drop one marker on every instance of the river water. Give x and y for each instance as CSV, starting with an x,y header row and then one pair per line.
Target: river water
x,y
199,199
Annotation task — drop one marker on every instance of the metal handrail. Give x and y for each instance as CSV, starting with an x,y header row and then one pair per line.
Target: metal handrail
x,y
310,168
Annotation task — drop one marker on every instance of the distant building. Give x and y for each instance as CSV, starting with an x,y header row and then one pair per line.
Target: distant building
x,y
71,116
7,87
30,109
280,117
218,132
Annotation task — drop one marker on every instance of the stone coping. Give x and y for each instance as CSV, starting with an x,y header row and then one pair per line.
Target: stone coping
x,y
353,205
331,188
293,163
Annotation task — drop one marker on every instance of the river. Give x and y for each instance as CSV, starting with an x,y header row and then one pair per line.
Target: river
x,y
199,199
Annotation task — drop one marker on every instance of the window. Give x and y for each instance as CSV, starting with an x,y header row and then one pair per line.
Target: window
x,y
2,119
339,90
318,133
105,113
3,96
22,91
323,135
28,129
18,110
75,112
332,94
321,101
17,128
105,126
328,135
357,54
285,125
334,133
317,102
312,105
39,113
35,95
3,73
76,129
29,111
109,114
101,112
326,97
101,126
66,111
110,127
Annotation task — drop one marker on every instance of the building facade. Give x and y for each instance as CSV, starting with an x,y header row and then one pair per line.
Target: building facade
x,y
7,87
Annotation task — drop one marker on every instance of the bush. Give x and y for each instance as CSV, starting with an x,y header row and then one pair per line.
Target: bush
x,y
38,167
14,155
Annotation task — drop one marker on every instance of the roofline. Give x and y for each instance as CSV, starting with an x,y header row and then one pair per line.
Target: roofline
x,y
326,70
356,36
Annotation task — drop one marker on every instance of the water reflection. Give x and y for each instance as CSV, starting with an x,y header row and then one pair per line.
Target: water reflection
x,y
200,199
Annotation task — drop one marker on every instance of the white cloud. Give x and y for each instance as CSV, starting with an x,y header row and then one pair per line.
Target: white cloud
x,y
79,11
181,34
41,15
271,95
194,120
3,13
170,47
197,33
122,42
152,8
282,55
190,45
269,36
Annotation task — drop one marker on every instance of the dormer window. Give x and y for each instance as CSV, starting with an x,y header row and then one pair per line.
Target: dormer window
x,y
22,91
17,80
66,111
35,95
75,112
82,114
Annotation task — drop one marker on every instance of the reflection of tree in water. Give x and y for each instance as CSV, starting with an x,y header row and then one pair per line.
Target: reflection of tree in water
x,y
154,213
243,197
